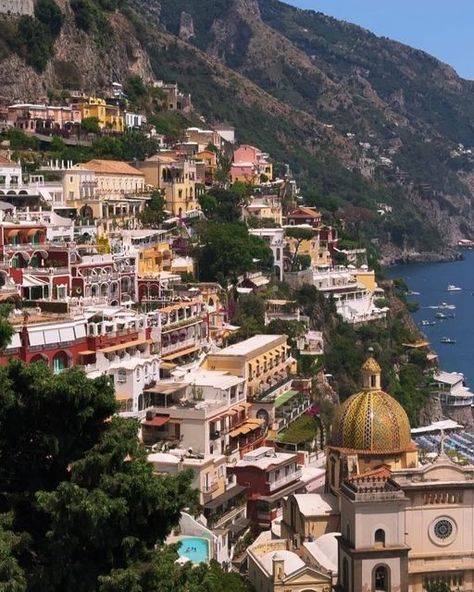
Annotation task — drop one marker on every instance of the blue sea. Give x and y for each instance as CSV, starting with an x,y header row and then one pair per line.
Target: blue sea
x,y
431,281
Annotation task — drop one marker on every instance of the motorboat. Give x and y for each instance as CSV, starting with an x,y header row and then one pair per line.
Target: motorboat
x,y
446,306
453,288
447,340
413,293
428,323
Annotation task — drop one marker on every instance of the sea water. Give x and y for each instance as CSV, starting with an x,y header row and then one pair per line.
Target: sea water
x,y
431,281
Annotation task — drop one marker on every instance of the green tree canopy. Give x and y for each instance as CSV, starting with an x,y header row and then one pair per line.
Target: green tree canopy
x,y
154,212
227,250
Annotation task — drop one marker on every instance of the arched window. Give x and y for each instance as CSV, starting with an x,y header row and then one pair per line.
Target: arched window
x,y
381,576
140,402
380,538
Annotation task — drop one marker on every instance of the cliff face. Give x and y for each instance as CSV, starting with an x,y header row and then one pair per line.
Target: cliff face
x,y
361,120
79,61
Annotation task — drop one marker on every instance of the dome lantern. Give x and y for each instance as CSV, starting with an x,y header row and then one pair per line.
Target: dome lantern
x,y
371,373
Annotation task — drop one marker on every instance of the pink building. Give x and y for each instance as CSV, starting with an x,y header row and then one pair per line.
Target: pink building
x,y
34,118
249,164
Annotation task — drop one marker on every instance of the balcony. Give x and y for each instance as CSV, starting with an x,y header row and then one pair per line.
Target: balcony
x,y
274,485
210,488
179,345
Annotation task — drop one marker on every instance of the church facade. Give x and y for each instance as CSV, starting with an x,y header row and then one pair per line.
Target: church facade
x,y
404,525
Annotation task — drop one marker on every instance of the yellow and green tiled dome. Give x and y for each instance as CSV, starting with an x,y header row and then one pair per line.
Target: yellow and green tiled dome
x,y
371,421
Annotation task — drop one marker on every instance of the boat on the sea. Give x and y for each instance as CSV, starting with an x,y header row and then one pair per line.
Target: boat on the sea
x,y
445,315
428,323
453,288
446,306
447,340
413,293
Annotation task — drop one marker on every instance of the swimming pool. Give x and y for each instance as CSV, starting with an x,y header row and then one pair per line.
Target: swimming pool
x,y
194,548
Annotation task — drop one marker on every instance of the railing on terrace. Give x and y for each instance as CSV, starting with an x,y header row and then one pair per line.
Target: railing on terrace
x,y
272,389
182,323
273,485
175,347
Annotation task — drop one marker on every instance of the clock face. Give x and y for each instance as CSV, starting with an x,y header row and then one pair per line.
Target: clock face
x,y
442,531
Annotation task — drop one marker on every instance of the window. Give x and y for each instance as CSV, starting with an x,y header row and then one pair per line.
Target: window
x,y
138,373
122,375
381,579
380,538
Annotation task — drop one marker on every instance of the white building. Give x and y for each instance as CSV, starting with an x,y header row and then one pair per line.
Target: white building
x,y
275,238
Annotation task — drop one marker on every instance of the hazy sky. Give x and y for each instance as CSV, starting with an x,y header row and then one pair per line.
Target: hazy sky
x,y
443,28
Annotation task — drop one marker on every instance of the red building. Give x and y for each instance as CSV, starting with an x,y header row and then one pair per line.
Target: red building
x,y
309,216
268,476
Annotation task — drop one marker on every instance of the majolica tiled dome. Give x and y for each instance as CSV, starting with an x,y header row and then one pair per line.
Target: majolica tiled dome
x,y
371,421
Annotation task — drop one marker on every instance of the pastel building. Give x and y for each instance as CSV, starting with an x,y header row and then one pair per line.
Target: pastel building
x,y
249,164
176,177
264,361
32,118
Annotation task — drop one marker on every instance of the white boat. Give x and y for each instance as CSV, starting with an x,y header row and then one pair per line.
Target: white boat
x,y
413,293
453,288
428,323
447,340
446,306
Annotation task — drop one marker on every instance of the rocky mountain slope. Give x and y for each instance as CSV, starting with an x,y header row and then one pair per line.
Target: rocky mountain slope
x,y
362,120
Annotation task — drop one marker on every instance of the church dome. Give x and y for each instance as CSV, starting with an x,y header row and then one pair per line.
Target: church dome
x,y
371,421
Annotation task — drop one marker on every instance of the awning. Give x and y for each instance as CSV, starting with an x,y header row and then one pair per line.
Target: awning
x,y
114,348
168,365
123,397
87,352
13,232
15,341
36,338
29,281
67,334
249,426
80,331
225,497
51,336
32,231
183,352
157,421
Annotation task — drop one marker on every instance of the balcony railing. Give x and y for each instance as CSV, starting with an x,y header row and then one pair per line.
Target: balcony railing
x,y
210,487
174,347
274,485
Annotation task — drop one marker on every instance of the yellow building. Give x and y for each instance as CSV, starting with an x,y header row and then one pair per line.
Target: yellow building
x,y
106,193
110,117
265,207
153,248
309,516
264,360
209,471
366,277
176,177
314,248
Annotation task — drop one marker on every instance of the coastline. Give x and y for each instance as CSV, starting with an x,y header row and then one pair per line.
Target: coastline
x,y
390,259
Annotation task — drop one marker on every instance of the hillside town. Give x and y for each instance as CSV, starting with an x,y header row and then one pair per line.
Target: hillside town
x,y
103,267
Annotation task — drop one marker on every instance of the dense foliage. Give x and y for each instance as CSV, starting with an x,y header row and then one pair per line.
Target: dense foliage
x,y
227,250
80,506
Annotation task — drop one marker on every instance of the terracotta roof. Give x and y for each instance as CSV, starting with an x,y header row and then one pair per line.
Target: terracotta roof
x,y
5,162
305,212
111,167
383,472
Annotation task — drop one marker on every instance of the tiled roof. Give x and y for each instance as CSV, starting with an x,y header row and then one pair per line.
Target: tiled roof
x,y
111,167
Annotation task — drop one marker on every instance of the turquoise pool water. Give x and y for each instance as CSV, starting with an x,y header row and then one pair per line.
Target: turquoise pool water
x,y
194,548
